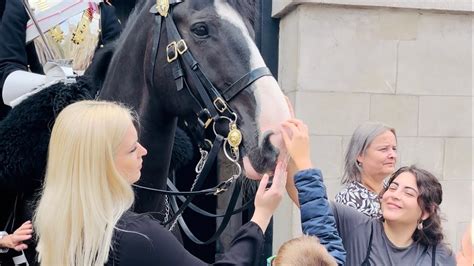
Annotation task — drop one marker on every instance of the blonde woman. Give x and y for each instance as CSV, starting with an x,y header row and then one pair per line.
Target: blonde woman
x,y
83,216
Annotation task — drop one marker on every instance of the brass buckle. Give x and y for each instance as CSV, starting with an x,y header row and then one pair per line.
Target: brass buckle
x,y
220,101
204,115
171,48
181,46
208,122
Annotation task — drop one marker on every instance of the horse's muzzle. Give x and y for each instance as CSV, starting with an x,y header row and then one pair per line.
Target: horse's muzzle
x,y
263,159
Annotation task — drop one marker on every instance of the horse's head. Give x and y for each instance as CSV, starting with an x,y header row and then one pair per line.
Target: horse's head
x,y
219,34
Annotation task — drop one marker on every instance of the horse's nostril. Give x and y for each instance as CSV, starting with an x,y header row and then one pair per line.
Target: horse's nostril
x,y
264,157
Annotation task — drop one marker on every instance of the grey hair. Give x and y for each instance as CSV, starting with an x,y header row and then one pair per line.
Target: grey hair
x,y
360,141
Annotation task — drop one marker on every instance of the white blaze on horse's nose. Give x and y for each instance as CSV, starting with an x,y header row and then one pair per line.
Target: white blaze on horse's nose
x,y
226,12
272,108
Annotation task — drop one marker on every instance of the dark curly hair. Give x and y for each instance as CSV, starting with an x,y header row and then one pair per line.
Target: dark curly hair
x,y
429,198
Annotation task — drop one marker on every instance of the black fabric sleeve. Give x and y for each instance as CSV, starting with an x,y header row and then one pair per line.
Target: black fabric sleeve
x,y
13,54
147,242
110,24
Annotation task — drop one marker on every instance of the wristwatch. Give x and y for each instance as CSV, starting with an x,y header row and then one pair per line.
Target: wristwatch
x,y
2,234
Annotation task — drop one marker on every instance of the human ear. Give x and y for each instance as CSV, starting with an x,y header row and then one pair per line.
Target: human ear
x,y
359,160
425,215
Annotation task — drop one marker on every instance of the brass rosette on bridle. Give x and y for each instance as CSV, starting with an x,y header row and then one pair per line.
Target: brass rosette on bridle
x,y
233,139
162,6
235,136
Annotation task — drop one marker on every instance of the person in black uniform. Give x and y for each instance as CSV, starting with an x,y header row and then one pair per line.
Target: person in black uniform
x,y
16,56
20,62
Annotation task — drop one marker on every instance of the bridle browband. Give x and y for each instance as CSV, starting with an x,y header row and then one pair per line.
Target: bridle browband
x,y
210,107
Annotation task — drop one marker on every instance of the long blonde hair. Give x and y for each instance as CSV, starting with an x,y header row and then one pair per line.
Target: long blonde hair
x,y
83,195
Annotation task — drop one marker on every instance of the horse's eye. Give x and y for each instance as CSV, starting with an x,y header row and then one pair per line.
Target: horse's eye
x,y
200,30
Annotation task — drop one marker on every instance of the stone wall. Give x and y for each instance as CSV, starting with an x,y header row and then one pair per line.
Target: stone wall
x,y
405,63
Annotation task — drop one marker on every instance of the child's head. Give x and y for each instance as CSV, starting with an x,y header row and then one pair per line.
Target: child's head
x,y
303,251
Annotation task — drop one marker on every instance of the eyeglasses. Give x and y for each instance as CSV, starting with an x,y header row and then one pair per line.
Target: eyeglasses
x,y
270,260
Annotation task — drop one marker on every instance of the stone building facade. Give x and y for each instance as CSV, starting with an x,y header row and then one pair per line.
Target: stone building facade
x,y
405,63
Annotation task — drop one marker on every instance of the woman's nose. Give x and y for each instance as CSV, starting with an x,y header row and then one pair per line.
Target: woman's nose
x,y
144,151
396,194
393,154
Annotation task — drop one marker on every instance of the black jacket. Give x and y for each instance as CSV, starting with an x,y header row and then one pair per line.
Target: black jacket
x,y
141,240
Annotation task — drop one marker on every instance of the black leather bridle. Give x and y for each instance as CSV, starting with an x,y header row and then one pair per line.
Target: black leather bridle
x,y
210,107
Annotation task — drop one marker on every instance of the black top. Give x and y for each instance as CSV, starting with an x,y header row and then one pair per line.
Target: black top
x,y
141,240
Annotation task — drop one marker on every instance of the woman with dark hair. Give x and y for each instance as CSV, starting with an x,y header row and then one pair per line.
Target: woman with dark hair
x,y
409,232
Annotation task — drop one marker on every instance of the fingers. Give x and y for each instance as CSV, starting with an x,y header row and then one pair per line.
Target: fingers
x,y
19,238
263,184
23,231
21,247
24,227
298,130
295,125
290,126
279,179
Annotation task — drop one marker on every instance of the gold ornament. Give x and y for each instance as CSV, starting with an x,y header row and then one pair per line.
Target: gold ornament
x,y
162,6
234,137
57,34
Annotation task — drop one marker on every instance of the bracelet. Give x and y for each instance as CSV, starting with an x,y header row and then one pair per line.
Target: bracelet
x,y
3,234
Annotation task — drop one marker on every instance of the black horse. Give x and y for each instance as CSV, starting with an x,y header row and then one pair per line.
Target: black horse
x,y
221,41
219,35
207,69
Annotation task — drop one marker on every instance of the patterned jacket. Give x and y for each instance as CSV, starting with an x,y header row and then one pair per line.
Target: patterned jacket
x,y
357,196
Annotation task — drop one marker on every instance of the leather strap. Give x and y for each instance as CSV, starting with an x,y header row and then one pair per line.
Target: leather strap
x,y
225,220
201,176
195,208
244,82
155,44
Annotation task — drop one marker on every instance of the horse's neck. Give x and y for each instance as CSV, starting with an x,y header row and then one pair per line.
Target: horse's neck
x,y
158,138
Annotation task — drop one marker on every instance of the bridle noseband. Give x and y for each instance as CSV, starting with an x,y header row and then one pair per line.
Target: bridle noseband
x,y
210,107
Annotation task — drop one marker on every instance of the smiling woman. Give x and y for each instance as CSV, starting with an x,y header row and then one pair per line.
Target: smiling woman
x,y
409,232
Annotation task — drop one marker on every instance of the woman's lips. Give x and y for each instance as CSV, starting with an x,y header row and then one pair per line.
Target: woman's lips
x,y
393,205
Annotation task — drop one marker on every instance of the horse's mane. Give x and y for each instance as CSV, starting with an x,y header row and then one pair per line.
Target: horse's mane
x,y
134,16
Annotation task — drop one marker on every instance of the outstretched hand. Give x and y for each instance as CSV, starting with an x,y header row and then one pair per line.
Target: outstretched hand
x,y
15,240
296,138
268,199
